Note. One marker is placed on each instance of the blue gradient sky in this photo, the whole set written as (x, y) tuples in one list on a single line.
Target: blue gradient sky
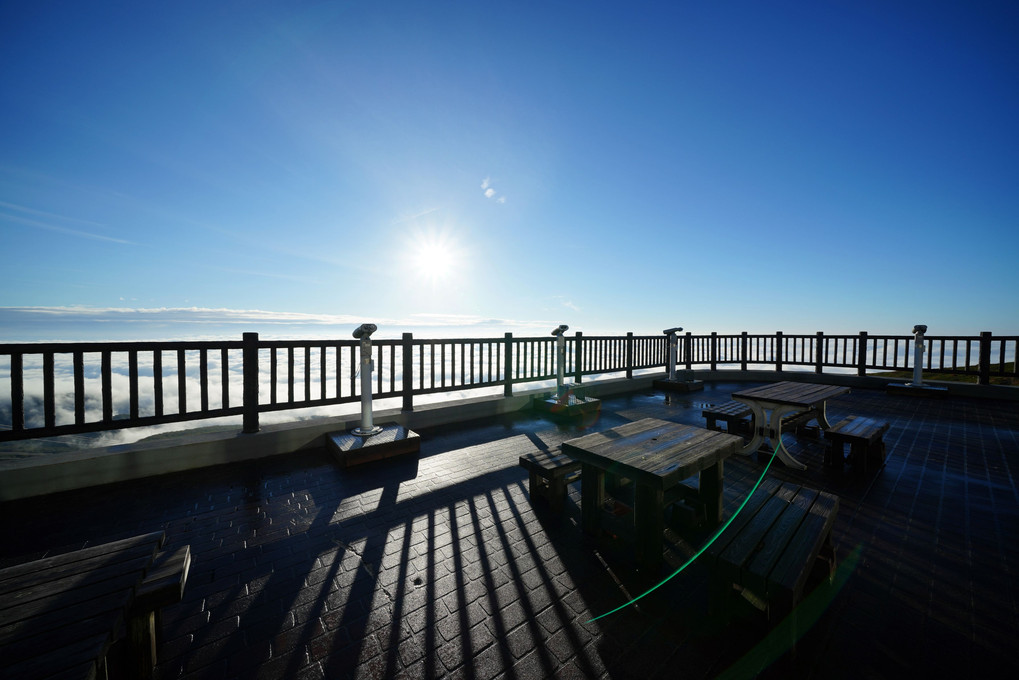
[(720, 166)]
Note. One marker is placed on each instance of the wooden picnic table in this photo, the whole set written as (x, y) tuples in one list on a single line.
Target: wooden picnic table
[(771, 403), (60, 616), (657, 455)]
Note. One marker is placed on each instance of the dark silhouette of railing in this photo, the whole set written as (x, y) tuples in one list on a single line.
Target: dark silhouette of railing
[(168, 382)]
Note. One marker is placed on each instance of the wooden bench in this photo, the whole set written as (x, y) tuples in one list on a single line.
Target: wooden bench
[(771, 547), (735, 414), (865, 437), (66, 616), (548, 474)]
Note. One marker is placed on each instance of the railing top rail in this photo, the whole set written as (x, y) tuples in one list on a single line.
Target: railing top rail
[(95, 347)]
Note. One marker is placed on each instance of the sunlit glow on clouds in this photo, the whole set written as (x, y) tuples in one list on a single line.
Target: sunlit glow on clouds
[(69, 324)]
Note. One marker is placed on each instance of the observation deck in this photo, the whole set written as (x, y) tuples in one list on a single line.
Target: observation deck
[(441, 566)]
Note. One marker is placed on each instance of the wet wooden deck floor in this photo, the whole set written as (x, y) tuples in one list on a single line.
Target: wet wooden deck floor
[(442, 567)]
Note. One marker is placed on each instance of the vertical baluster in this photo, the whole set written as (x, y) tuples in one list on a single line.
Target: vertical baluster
[(322, 372), (392, 367), (203, 378), (290, 374), (157, 381), (431, 363), (408, 368), (354, 368), (507, 365), (132, 383), (48, 391), (106, 371), (307, 373), (339, 367), (273, 374), (79, 388), (17, 392), (224, 360), (442, 363), (182, 386), (421, 366)]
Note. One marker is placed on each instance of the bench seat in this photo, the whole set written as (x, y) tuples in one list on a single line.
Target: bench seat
[(865, 437), (735, 414), (771, 547), (65, 616), (548, 474)]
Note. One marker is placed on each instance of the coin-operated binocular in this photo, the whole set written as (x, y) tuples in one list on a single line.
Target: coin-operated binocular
[(560, 340), (673, 349), (919, 347), (364, 334)]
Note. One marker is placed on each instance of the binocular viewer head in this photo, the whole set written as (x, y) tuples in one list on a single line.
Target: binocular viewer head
[(365, 330), (919, 328), (559, 331), (670, 331)]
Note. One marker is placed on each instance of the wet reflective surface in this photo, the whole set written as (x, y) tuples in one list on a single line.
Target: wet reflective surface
[(442, 566)]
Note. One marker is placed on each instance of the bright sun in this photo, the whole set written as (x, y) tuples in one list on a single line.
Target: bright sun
[(435, 257)]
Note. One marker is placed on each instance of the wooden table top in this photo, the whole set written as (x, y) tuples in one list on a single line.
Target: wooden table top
[(792, 393), (59, 614), (652, 451)]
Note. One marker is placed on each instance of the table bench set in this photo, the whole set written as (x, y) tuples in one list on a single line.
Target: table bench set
[(769, 549), (89, 613)]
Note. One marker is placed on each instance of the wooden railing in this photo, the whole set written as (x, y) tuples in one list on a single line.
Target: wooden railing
[(49, 389)]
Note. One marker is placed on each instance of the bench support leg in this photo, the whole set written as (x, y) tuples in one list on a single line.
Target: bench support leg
[(711, 493), (557, 493), (141, 645), (592, 496), (649, 520)]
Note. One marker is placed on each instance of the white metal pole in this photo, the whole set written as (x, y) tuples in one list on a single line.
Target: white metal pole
[(367, 427), (918, 349), (673, 349)]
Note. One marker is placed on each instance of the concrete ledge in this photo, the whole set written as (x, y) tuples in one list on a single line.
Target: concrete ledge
[(51, 473)]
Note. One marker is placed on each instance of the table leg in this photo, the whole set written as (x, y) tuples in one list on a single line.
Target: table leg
[(592, 496), (758, 424), (711, 493), (649, 521), (775, 431), (822, 416)]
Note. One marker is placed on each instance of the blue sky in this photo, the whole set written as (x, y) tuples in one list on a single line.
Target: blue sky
[(482, 168)]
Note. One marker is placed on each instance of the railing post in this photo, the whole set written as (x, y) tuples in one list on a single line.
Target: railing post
[(744, 346), (507, 367), (985, 358), (819, 353), (688, 349), (629, 355), (861, 357), (578, 357), (408, 371), (250, 371), (714, 350), (778, 351)]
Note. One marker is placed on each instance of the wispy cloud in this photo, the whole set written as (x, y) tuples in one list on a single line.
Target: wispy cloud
[(55, 227), (64, 229), (568, 304), (489, 191)]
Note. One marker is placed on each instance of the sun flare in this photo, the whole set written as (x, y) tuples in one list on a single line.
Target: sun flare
[(436, 257)]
